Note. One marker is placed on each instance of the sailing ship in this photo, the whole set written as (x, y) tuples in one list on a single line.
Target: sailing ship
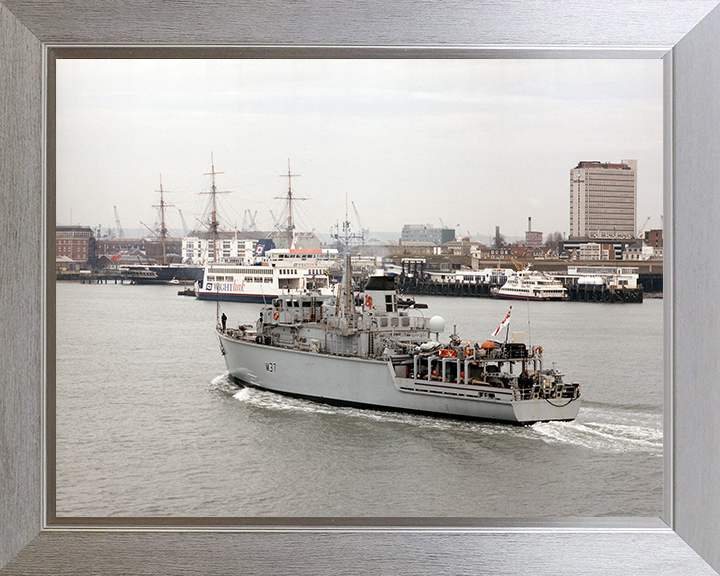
[(274, 272), (166, 272)]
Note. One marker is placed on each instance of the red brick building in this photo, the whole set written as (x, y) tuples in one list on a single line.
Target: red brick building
[(76, 243), (654, 238)]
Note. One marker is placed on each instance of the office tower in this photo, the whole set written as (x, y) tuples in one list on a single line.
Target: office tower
[(603, 199)]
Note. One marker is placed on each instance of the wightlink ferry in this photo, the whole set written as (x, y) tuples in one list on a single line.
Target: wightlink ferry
[(280, 271)]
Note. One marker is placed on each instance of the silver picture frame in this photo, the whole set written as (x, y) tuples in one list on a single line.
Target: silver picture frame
[(684, 33)]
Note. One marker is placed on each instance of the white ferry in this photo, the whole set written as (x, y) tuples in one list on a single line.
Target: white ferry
[(531, 285), (280, 271)]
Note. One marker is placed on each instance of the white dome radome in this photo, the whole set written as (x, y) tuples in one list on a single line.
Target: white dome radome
[(437, 324)]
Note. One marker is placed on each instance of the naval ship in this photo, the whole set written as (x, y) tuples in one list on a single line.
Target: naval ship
[(374, 350)]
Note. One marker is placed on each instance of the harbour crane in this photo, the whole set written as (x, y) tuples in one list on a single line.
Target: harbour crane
[(185, 228), (274, 220), (120, 233), (363, 231), (249, 221), (640, 231)]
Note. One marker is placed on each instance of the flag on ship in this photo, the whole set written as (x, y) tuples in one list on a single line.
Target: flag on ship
[(503, 323)]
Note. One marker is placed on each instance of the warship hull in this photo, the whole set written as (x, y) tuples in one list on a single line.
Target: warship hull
[(375, 383)]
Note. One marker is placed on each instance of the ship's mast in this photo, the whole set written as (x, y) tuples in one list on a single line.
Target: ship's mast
[(163, 230), (214, 191), (345, 239), (290, 226)]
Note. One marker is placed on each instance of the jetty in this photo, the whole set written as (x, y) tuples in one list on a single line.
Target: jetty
[(608, 284)]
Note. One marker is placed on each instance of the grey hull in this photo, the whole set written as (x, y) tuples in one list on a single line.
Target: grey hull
[(372, 383)]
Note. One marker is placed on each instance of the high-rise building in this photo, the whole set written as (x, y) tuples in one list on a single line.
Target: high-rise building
[(603, 199)]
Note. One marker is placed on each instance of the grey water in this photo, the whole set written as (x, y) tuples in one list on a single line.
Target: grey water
[(149, 423)]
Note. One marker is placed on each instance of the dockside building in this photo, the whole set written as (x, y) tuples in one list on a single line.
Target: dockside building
[(74, 247), (426, 234)]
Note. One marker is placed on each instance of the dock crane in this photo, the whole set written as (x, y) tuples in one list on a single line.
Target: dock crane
[(185, 228), (120, 233), (640, 231), (364, 231), (249, 221), (274, 220)]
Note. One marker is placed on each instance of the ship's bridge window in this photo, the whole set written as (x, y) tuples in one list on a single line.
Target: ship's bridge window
[(394, 321), (306, 304), (383, 322)]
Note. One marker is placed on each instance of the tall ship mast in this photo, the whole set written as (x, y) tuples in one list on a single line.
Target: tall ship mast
[(290, 226), (214, 223), (163, 229), (162, 273)]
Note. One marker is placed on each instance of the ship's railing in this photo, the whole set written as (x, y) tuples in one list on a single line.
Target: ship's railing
[(239, 333), (558, 391)]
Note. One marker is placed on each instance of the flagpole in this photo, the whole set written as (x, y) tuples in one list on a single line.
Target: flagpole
[(506, 321), (507, 332)]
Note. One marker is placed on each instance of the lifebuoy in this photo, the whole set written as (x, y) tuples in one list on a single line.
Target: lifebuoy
[(276, 315), (538, 350)]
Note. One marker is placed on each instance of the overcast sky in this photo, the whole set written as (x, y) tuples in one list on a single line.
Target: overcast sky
[(472, 143)]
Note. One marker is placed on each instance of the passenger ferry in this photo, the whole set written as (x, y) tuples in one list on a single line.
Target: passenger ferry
[(280, 271), (529, 284)]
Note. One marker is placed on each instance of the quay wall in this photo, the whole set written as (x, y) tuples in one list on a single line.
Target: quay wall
[(95, 277)]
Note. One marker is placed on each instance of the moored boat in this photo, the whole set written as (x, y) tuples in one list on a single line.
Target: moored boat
[(529, 284), (281, 271)]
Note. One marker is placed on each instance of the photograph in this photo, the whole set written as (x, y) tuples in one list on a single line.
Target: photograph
[(359, 288), (389, 288)]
